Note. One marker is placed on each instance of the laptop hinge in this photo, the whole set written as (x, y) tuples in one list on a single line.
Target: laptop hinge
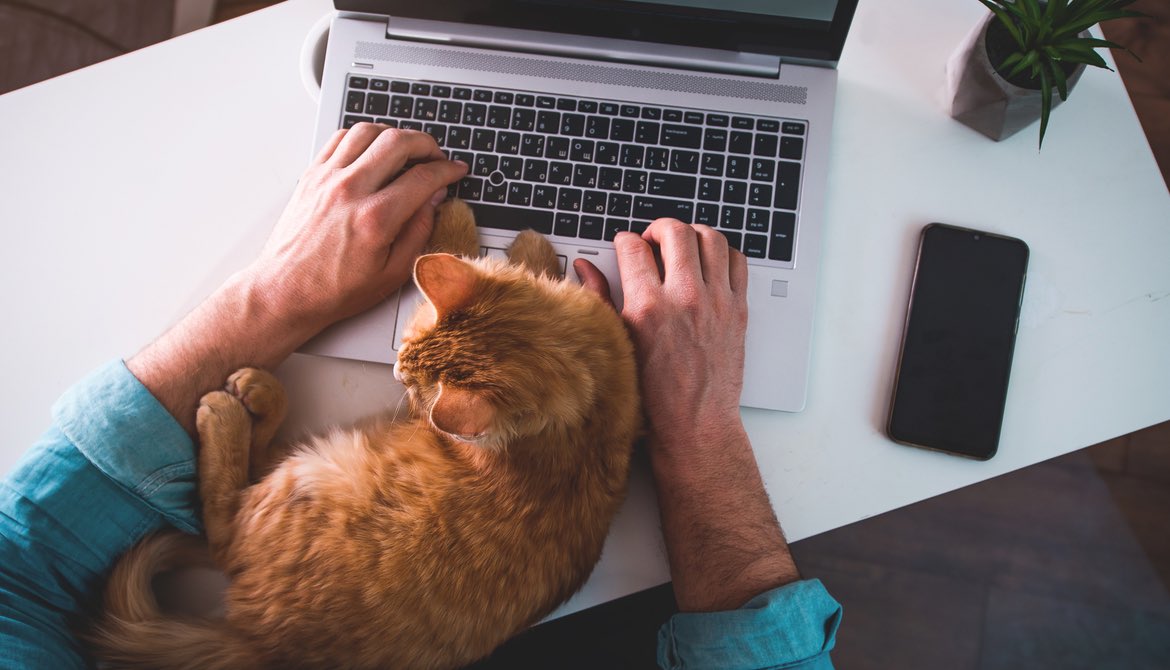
[(581, 46)]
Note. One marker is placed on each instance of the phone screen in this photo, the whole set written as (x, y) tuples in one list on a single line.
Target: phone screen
[(952, 378)]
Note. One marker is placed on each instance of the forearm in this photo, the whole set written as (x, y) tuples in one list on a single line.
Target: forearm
[(723, 540), (234, 328)]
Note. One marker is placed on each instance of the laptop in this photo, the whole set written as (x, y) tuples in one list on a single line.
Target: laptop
[(581, 119)]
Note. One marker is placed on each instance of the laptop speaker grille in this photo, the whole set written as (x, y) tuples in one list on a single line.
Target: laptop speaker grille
[(583, 72)]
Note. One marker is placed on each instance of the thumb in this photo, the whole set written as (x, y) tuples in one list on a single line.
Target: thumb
[(592, 279)]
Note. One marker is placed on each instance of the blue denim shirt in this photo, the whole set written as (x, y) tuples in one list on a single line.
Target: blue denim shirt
[(115, 466)]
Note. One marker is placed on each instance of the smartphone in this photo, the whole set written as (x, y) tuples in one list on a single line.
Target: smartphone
[(952, 379)]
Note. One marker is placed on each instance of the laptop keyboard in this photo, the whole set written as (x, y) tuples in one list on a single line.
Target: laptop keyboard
[(583, 168)]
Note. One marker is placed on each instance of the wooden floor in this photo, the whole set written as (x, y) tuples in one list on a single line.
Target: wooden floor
[(1062, 565)]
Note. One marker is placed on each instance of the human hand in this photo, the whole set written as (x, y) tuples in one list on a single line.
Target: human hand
[(688, 321), (354, 225)]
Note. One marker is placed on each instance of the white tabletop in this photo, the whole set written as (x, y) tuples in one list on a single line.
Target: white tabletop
[(132, 188)]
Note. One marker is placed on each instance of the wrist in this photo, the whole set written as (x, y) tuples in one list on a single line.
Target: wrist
[(696, 435), (273, 306)]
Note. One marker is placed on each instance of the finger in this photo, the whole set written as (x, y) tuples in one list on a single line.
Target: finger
[(396, 203), (390, 152), (680, 249), (738, 272), (330, 146), (636, 266), (713, 255), (354, 142), (592, 279), (408, 245)]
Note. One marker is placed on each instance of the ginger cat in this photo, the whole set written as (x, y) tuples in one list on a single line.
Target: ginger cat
[(418, 543)]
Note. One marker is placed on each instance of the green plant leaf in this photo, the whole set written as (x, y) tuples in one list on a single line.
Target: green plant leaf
[(1060, 79), (1029, 60), (1045, 106)]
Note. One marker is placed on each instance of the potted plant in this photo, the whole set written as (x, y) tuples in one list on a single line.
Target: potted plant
[(1002, 78)]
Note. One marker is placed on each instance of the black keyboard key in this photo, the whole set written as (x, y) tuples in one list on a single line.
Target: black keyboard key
[(466, 157), (657, 158), (546, 102), (440, 91), (497, 193), (512, 167), (483, 139), (742, 122), (569, 200), (535, 170), (420, 89), (671, 185), (768, 125), (401, 106), (758, 220), (470, 188), (426, 109), (738, 167), (710, 190), (693, 118), (377, 103), (548, 122), (544, 196), (566, 104), (593, 203), (755, 246), (395, 86), (585, 176), (450, 111), (355, 101), (734, 240), (437, 131), (634, 181), (731, 217), (763, 169), (560, 173), (523, 119), (684, 161), (597, 127), (787, 185), (652, 113), (720, 120), (712, 164), (484, 165), (632, 155), (351, 121), (380, 85), (607, 153), (646, 132), (792, 128), (631, 111), (410, 125), (791, 147), (358, 82), (646, 207), (461, 93), (393, 123), (610, 179), (608, 108), (686, 137), (707, 214), (508, 142), (760, 195), (581, 151), (615, 226), (557, 148), (499, 117), (503, 97), (735, 191), (619, 204), (783, 230), (766, 146), (482, 95), (512, 218), (525, 100), (740, 143), (474, 114), (565, 225), (715, 139), (639, 227), (459, 137), (573, 125), (592, 227), (587, 106), (532, 145), (622, 130)]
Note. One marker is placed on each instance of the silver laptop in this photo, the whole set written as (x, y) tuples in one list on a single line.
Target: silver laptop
[(582, 119)]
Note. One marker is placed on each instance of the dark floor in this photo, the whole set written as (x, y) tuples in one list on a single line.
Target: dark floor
[(1062, 565)]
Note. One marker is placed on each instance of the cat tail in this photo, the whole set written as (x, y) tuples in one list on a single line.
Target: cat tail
[(133, 632)]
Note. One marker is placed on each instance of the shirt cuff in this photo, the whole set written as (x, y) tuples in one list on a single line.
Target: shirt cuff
[(788, 627), (121, 428)]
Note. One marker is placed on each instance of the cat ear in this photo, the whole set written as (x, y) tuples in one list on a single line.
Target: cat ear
[(465, 414), (447, 281)]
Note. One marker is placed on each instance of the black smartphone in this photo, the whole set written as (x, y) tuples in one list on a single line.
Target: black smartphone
[(952, 379)]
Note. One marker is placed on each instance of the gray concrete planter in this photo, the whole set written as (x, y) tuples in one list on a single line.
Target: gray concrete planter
[(984, 100)]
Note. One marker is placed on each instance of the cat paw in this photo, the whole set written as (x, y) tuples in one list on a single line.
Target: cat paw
[(533, 251), (454, 231), (221, 413), (260, 392)]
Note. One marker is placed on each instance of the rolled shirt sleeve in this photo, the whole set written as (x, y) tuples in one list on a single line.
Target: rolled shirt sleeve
[(113, 467), (793, 626)]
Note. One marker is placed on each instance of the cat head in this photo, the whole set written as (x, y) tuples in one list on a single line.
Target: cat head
[(495, 353)]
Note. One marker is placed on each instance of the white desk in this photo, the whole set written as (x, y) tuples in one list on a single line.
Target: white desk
[(132, 188)]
